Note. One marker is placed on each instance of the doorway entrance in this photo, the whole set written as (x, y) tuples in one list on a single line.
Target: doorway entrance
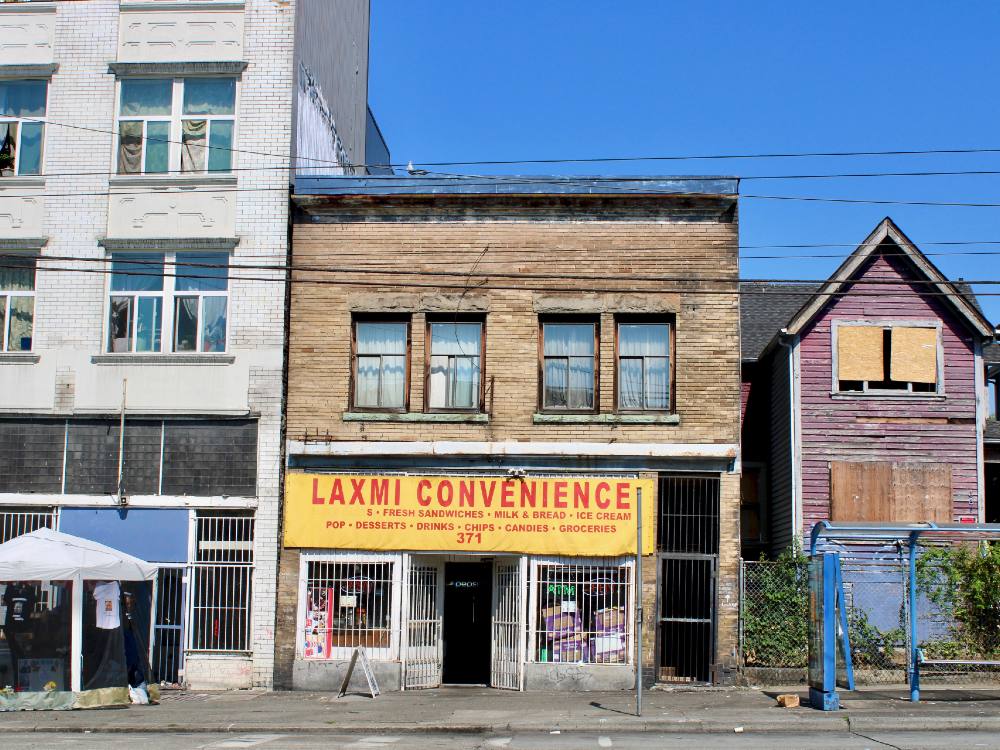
[(468, 593)]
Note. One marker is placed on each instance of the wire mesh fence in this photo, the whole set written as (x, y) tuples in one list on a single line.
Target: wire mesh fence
[(958, 620)]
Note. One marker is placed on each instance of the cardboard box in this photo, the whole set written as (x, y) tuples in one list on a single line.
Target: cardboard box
[(608, 649), (569, 649), (559, 624), (610, 620)]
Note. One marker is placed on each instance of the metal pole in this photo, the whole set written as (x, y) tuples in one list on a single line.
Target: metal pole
[(121, 448), (638, 602), (914, 654)]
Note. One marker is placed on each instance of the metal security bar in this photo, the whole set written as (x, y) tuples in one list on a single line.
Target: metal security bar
[(423, 652), (222, 583), (505, 668), (348, 604), (168, 636), (581, 611), (688, 543), (14, 523)]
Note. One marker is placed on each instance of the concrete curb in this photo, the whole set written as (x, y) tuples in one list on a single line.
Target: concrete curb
[(794, 724)]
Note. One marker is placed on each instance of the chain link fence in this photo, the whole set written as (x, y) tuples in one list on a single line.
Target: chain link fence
[(774, 619)]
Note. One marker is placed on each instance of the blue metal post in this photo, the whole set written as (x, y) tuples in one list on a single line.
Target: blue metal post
[(914, 665)]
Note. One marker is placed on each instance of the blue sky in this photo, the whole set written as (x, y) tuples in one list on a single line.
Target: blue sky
[(455, 80)]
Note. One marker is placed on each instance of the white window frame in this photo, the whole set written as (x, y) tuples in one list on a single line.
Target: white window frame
[(535, 562), (169, 295), (6, 295), (341, 653), (175, 118), (907, 392), (43, 120)]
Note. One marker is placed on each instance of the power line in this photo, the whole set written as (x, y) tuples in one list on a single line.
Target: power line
[(463, 274), (586, 160)]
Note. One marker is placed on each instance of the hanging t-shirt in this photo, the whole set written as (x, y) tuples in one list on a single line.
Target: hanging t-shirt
[(19, 601), (107, 596)]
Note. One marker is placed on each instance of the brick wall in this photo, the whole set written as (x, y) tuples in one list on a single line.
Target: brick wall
[(538, 236)]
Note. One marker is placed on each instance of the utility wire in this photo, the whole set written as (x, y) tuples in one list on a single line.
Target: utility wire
[(498, 287), (588, 160), (132, 261)]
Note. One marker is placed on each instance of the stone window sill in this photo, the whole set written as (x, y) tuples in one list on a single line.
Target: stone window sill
[(18, 358), (172, 180), (415, 417), (162, 359), (545, 418)]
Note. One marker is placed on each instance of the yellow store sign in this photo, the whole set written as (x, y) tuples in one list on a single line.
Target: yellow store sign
[(578, 516)]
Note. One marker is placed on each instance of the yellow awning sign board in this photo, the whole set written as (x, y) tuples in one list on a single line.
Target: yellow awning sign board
[(575, 516)]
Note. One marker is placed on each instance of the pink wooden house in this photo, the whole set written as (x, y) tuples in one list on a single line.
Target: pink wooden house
[(863, 401)]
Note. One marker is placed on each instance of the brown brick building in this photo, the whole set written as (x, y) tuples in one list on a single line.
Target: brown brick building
[(482, 376)]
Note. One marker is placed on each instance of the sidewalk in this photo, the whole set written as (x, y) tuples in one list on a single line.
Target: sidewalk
[(480, 710)]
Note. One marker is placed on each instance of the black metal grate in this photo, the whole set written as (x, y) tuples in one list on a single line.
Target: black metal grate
[(688, 540), (689, 514)]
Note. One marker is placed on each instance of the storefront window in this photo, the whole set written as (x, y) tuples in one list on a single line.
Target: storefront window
[(348, 604), (582, 613)]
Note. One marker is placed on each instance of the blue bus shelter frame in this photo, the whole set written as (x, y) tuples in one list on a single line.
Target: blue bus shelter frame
[(910, 534)]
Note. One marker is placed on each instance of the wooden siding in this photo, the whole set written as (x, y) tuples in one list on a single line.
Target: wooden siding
[(781, 521), (913, 428)]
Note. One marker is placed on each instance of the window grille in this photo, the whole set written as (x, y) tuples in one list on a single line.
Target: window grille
[(582, 612), (347, 604), (14, 523), (222, 583)]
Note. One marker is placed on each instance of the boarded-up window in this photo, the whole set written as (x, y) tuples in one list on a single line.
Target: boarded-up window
[(914, 354), (884, 358), (890, 492), (859, 353)]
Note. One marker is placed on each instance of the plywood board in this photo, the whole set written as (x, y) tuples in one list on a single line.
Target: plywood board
[(860, 491), (880, 491), (914, 354), (859, 353), (921, 492)]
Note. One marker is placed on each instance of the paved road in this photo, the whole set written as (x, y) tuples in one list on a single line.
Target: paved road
[(523, 741)]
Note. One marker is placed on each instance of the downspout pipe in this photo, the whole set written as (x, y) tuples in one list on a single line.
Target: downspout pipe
[(787, 341)]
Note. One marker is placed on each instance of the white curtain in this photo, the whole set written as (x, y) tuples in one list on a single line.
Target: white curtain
[(381, 376), (130, 147), (644, 351), (194, 137), (454, 375)]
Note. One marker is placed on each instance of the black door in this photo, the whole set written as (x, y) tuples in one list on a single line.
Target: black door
[(467, 599)]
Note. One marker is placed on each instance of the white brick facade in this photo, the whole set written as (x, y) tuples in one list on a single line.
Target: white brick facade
[(63, 375)]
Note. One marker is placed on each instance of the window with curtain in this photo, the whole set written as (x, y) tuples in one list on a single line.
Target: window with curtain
[(194, 291), (454, 377), (170, 125), (135, 317), (644, 366), (200, 302), (380, 364), (17, 302), (569, 366), (22, 107)]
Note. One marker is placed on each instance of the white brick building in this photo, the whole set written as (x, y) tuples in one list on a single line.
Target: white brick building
[(145, 156)]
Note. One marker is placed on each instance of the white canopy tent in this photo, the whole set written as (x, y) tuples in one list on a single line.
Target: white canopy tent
[(47, 555)]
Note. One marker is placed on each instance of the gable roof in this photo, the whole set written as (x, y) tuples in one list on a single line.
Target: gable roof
[(888, 231), (766, 308)]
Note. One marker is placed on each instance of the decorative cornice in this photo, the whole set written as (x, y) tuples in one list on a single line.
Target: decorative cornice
[(33, 7), (162, 359), (18, 358), (35, 70), (181, 5), (221, 244), (28, 244), (171, 180), (220, 67)]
